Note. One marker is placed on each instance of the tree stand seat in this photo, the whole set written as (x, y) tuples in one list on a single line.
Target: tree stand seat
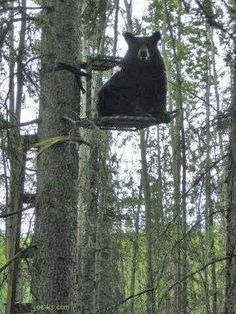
[(126, 123)]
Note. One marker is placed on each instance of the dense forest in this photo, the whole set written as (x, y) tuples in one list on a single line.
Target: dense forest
[(116, 221)]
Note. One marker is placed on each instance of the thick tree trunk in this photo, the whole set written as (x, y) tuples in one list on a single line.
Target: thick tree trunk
[(230, 298), (54, 277)]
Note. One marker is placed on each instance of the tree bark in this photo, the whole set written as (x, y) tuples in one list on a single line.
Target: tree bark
[(179, 168), (17, 156), (230, 297), (135, 250), (210, 242), (16, 202), (91, 235), (55, 262), (148, 227)]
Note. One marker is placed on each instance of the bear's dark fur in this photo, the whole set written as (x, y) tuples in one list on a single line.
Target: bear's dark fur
[(139, 88)]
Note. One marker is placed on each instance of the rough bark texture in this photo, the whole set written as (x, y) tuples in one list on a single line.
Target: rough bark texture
[(88, 212), (14, 222), (54, 281), (17, 154), (230, 300), (135, 253), (151, 306)]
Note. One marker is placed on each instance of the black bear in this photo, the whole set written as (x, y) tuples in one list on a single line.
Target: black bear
[(139, 88)]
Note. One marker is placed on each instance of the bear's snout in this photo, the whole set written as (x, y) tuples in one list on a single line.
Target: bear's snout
[(143, 53)]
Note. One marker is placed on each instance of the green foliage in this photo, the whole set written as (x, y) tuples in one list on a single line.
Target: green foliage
[(2, 275), (188, 45)]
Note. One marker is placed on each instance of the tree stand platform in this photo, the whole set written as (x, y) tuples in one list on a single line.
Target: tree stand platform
[(126, 123)]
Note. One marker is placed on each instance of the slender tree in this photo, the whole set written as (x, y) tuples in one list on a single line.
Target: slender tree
[(151, 304), (97, 263), (135, 250), (17, 157), (208, 188)]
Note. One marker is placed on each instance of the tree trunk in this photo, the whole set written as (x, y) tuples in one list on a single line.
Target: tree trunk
[(230, 298), (135, 252), (88, 212), (148, 227), (16, 202), (179, 169), (92, 242), (210, 242), (55, 262), (17, 154)]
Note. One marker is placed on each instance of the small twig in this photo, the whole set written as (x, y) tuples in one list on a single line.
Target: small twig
[(20, 8), (4, 124), (15, 213), (92, 124), (199, 178), (35, 121)]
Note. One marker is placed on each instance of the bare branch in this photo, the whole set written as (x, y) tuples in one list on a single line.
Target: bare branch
[(15, 213), (18, 255), (177, 282), (211, 19), (201, 176)]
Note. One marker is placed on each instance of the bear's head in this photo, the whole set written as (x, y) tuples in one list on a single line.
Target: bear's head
[(142, 50)]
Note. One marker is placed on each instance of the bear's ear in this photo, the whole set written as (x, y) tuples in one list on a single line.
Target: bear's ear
[(156, 37), (129, 38)]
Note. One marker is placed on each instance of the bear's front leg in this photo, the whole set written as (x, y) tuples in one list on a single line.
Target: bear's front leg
[(116, 96)]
